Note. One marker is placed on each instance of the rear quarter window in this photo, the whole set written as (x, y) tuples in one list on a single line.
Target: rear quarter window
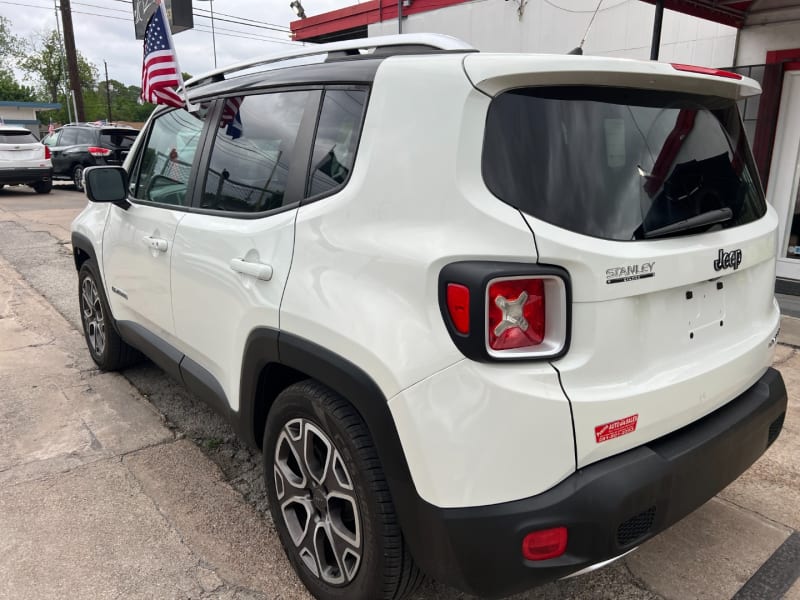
[(621, 164)]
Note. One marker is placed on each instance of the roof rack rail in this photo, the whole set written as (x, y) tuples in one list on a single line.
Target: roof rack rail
[(434, 41)]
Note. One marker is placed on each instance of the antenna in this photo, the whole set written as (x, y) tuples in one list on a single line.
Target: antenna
[(579, 49)]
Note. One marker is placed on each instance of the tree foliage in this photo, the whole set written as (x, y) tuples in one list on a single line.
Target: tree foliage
[(42, 61)]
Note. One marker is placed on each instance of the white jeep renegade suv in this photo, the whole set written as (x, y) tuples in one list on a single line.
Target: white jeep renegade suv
[(493, 318)]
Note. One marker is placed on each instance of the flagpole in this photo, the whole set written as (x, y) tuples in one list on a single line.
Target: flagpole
[(163, 10)]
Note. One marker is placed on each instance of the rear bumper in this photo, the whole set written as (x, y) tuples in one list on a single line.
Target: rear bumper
[(608, 507), (25, 175)]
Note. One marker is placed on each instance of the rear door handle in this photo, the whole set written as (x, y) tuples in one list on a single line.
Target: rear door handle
[(156, 243), (253, 269)]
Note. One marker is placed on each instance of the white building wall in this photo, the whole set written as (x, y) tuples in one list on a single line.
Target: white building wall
[(755, 41), (622, 28)]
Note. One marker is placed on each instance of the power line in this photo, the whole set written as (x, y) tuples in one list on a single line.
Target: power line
[(244, 34), (570, 10), (263, 24)]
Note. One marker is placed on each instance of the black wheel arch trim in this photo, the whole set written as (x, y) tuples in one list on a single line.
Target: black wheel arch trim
[(266, 345), (84, 244)]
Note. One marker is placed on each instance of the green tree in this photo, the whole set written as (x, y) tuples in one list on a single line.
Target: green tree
[(10, 90), (10, 45), (42, 62)]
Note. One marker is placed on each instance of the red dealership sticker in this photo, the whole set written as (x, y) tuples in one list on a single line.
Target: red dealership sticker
[(609, 431)]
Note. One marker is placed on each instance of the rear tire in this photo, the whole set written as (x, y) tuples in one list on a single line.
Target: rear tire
[(330, 501), (108, 350), (42, 187)]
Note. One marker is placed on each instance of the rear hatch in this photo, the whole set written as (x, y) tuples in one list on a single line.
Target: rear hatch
[(119, 141), (18, 148), (638, 180)]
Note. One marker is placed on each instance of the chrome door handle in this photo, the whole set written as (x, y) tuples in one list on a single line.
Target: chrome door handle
[(254, 269), (156, 243)]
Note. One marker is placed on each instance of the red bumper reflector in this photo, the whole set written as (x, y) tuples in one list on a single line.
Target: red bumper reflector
[(705, 71), (458, 306), (544, 544)]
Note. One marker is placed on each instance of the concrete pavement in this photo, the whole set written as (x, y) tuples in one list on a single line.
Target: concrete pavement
[(98, 498), (102, 496)]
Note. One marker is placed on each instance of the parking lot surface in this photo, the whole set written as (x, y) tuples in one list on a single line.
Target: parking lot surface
[(125, 486)]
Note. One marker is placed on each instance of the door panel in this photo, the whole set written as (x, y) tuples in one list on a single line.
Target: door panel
[(230, 269), (216, 305), (137, 246)]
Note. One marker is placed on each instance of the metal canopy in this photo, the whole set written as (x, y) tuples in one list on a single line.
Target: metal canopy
[(737, 13)]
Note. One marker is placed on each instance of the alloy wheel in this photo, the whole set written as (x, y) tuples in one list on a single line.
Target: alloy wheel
[(93, 320), (77, 178), (318, 502)]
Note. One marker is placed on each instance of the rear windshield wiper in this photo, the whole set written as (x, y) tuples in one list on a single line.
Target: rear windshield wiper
[(712, 217)]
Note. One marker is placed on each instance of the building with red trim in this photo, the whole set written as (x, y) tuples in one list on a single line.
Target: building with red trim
[(758, 38)]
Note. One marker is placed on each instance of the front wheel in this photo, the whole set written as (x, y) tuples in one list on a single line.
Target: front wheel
[(77, 177), (330, 501), (106, 347)]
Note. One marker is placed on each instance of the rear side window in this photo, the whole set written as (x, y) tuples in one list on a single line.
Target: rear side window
[(117, 139), (69, 136), (86, 137), (337, 137), (249, 165), (621, 164), (17, 137)]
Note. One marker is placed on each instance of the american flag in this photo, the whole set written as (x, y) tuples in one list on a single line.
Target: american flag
[(160, 73), (232, 117)]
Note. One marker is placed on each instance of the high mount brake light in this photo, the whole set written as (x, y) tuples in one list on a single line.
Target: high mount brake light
[(705, 71), (97, 151)]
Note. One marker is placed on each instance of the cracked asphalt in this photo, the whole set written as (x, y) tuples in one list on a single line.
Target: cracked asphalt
[(122, 486)]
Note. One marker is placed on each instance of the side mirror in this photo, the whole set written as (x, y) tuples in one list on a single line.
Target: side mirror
[(107, 184)]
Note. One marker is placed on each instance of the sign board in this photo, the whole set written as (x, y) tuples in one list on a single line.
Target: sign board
[(179, 13)]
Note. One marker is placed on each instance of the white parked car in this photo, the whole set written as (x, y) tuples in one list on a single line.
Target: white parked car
[(494, 318), (24, 160)]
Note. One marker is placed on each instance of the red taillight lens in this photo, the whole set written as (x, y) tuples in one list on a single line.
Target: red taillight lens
[(544, 544), (458, 306), (97, 151), (516, 313), (46, 152), (705, 71)]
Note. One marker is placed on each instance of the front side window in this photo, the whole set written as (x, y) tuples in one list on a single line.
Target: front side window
[(621, 164), (249, 166), (337, 137), (166, 160)]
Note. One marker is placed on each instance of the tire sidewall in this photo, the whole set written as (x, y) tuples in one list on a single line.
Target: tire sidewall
[(293, 404), (89, 270), (77, 177)]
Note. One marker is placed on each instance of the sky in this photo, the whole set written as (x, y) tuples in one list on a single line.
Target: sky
[(104, 31)]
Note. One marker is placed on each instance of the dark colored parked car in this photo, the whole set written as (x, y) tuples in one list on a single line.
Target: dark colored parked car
[(79, 145)]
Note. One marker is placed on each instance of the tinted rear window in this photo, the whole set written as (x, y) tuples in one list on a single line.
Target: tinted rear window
[(117, 139), (17, 137), (621, 164)]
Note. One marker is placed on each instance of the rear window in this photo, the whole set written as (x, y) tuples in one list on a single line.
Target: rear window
[(17, 137), (621, 164), (117, 139)]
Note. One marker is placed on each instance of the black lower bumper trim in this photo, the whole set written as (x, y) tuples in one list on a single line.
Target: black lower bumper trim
[(607, 507), (24, 176)]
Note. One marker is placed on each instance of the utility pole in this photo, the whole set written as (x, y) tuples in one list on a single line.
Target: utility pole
[(108, 93), (72, 59), (63, 65)]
